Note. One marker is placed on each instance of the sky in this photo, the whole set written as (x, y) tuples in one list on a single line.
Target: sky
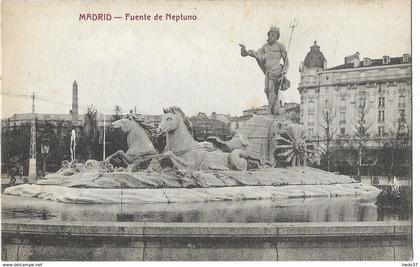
[(195, 65)]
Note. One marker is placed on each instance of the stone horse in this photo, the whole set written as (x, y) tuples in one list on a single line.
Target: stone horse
[(139, 141), (187, 154)]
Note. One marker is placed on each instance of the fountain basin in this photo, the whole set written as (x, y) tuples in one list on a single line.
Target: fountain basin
[(26, 240)]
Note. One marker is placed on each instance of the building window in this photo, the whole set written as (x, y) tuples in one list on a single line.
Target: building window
[(402, 88), (401, 101), (381, 115), (311, 119), (343, 104), (402, 114), (381, 130), (381, 102), (362, 101), (342, 91), (342, 131), (327, 103), (311, 106), (342, 118)]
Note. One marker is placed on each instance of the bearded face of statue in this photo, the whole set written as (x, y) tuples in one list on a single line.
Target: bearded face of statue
[(272, 37)]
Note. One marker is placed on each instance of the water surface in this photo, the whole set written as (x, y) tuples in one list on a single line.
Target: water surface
[(291, 210)]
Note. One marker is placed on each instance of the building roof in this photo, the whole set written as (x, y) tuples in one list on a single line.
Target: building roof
[(240, 118), (315, 58), (374, 63), (42, 117), (263, 107)]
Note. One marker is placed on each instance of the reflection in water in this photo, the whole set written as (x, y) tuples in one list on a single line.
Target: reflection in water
[(327, 214), (290, 210), (384, 214), (342, 213), (362, 213)]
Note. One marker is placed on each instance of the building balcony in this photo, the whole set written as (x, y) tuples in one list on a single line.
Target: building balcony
[(342, 122), (401, 105), (374, 78)]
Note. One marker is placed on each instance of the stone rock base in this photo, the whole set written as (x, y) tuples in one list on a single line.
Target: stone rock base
[(168, 187), (173, 195)]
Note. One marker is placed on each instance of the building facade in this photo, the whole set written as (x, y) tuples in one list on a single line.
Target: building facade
[(204, 127), (381, 87)]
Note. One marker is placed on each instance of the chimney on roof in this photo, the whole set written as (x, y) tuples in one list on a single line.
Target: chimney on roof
[(406, 58), (386, 60), (74, 110), (367, 62), (353, 59)]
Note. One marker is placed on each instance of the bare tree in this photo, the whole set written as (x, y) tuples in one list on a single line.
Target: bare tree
[(118, 113), (328, 117), (361, 128), (395, 148)]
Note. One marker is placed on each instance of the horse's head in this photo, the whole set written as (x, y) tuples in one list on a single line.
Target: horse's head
[(139, 133), (172, 119), (126, 124)]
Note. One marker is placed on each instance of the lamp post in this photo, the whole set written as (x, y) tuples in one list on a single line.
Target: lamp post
[(45, 149)]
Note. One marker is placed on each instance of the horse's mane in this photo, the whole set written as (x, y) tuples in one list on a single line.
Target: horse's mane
[(148, 127), (178, 110)]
